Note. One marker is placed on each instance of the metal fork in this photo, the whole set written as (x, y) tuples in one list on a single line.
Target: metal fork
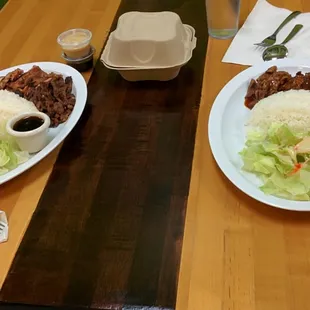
[(272, 39)]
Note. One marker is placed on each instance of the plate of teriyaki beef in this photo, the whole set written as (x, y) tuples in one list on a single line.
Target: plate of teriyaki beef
[(53, 89), (259, 133)]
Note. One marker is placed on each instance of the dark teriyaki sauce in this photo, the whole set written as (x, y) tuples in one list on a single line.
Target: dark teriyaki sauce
[(28, 123), (82, 66)]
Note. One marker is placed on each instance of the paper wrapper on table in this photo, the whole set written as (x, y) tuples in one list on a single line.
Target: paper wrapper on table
[(4, 227), (262, 22)]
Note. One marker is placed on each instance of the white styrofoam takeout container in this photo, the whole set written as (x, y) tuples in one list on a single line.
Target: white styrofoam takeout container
[(149, 72), (147, 39)]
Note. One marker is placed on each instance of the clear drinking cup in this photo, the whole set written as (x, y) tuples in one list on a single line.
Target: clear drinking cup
[(223, 18)]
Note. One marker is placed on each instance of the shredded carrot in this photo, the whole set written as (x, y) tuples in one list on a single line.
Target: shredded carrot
[(297, 167)]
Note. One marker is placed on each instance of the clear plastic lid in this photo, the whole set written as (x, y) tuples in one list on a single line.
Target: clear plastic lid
[(74, 38)]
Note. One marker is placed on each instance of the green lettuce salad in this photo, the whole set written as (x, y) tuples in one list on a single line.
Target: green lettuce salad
[(10, 155), (280, 157)]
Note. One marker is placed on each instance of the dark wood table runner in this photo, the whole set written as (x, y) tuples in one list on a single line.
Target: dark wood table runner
[(107, 233)]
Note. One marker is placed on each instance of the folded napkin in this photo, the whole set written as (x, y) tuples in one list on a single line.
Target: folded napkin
[(262, 22), (4, 227)]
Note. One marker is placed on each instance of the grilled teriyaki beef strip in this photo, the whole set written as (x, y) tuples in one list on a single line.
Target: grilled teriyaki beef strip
[(50, 92), (274, 81)]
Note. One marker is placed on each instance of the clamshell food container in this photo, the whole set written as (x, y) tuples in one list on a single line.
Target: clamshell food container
[(149, 46), (136, 74), (147, 39)]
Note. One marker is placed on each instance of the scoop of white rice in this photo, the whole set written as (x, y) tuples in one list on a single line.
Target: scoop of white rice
[(11, 105), (291, 107)]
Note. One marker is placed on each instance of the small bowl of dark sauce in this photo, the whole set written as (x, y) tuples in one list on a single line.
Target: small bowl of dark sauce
[(29, 130), (28, 123)]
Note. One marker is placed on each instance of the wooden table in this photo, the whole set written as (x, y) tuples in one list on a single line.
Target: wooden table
[(237, 253), (19, 19)]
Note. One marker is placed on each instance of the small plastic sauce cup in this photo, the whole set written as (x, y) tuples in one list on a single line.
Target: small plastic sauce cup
[(81, 64), (75, 43)]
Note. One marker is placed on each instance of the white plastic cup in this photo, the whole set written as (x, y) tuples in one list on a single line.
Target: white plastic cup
[(75, 43), (31, 141)]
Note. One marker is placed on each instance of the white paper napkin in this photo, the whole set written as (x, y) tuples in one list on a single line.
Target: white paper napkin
[(262, 22), (4, 227)]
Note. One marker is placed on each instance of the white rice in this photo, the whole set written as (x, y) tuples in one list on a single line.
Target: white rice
[(291, 108), (11, 105)]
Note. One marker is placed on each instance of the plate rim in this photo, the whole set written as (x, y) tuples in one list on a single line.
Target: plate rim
[(216, 142), (81, 94)]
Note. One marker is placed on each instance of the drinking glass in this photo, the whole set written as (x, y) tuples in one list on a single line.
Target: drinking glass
[(223, 18)]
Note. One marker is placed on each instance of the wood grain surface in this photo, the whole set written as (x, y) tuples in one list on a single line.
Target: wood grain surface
[(28, 32), (237, 254), (107, 232)]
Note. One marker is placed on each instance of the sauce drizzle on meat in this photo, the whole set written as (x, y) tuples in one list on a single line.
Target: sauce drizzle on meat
[(50, 92), (274, 81)]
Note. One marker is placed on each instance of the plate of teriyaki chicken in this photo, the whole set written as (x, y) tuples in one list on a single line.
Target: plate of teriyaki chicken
[(259, 133), (40, 103)]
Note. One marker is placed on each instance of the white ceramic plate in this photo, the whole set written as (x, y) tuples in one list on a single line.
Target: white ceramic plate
[(227, 134), (58, 134)]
